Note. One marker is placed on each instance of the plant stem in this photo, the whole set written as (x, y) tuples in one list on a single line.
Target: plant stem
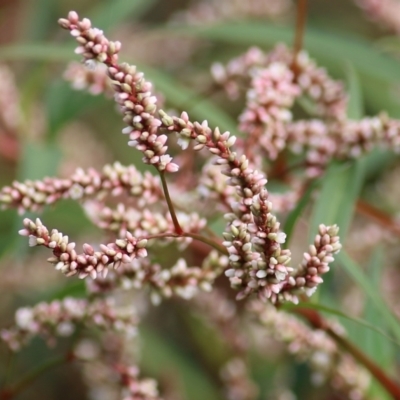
[(315, 319), (301, 17), (9, 393), (200, 238), (378, 216), (171, 208)]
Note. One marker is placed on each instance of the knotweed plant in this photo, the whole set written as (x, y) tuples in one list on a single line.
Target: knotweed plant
[(159, 229)]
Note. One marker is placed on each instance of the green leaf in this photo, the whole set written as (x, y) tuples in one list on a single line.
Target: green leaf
[(64, 104), (38, 160), (355, 107), (75, 288), (297, 211), (37, 52), (341, 185), (356, 273), (111, 12), (42, 18), (389, 44), (379, 349)]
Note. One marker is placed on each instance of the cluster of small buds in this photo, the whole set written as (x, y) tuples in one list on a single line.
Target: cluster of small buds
[(322, 140), (90, 262), (179, 280), (132, 92), (316, 261), (213, 11), (134, 388), (315, 347), (258, 263), (384, 12), (212, 185), (114, 179), (272, 93), (253, 237), (238, 385), (143, 222), (359, 137), (346, 139), (111, 376), (311, 136), (182, 281), (327, 94), (61, 318), (237, 69), (94, 80)]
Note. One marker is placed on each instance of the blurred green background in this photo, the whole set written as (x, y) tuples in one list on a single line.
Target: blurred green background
[(59, 129)]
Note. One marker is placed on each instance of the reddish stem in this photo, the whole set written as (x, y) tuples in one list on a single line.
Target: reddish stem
[(300, 28), (316, 321), (378, 216)]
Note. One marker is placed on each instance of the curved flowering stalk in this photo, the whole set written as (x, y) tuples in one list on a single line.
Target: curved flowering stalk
[(113, 179), (132, 92), (90, 262), (124, 255), (253, 238)]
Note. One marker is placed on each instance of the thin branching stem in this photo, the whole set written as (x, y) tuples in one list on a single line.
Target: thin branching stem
[(301, 18), (171, 208), (377, 215), (217, 246)]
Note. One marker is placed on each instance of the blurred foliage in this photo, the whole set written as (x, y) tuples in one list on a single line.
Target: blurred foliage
[(337, 36)]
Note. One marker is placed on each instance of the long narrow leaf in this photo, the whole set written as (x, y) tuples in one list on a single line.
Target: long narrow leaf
[(111, 12), (335, 204), (297, 211), (354, 270)]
